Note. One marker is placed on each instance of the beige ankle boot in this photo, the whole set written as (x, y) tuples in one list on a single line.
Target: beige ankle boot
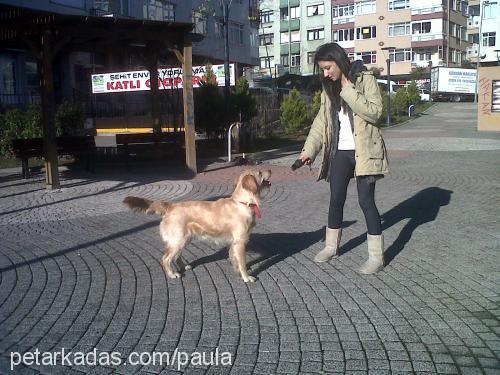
[(331, 249), (375, 260)]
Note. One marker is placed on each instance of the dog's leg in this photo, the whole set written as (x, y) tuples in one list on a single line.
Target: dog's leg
[(238, 253), (171, 253), (181, 264)]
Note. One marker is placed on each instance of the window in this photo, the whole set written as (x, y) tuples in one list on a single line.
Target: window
[(400, 55), (366, 7), (266, 16), (399, 4), (266, 39), (316, 34), (294, 35), (367, 57), (284, 60), (7, 74), (266, 62), (490, 10), (159, 10), (310, 57), (200, 23), (368, 32), (219, 28), (489, 39), (295, 60), (294, 11), (421, 28), (343, 35), (343, 11), (235, 33), (315, 10), (422, 55), (399, 29)]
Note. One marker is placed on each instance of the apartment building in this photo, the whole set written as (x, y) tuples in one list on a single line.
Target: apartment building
[(18, 69), (484, 17), (410, 33)]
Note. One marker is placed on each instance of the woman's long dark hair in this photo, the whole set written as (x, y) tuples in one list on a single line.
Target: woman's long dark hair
[(332, 52)]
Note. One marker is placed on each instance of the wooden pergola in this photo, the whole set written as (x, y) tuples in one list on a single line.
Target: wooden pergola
[(46, 34)]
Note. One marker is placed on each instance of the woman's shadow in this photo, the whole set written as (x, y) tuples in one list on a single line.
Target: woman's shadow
[(422, 208), (272, 248)]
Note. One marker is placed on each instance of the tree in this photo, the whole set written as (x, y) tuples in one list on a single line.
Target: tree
[(294, 114), (413, 93), (316, 104), (401, 101), (242, 102), (209, 104), (419, 72)]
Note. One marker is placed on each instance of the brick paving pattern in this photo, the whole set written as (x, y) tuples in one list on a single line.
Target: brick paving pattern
[(78, 271)]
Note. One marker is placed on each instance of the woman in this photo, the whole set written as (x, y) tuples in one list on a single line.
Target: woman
[(351, 145)]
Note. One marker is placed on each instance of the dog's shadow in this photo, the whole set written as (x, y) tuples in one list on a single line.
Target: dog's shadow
[(271, 248)]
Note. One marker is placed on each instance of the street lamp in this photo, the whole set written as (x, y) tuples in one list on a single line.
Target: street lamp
[(478, 60), (388, 61)]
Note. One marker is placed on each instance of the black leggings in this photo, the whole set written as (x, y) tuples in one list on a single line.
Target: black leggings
[(341, 171)]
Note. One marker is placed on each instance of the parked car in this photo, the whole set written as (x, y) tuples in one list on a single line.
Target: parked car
[(424, 95)]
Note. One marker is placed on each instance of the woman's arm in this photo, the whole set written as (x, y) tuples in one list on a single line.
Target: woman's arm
[(367, 105), (314, 140)]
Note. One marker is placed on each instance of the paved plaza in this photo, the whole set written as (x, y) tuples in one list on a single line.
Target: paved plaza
[(79, 273)]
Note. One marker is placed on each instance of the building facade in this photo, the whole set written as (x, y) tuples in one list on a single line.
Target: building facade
[(18, 69), (410, 33), (484, 27)]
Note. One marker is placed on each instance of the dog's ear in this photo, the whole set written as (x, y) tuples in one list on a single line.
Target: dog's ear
[(250, 183)]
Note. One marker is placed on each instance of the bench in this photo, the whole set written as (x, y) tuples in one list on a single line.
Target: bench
[(131, 144), (81, 146)]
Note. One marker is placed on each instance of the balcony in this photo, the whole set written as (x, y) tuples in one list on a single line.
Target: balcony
[(427, 37), (294, 48), (472, 51), (428, 10), (292, 25), (293, 3), (473, 21), (342, 20)]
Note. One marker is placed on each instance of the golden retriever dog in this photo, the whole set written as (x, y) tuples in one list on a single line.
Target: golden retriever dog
[(227, 221)]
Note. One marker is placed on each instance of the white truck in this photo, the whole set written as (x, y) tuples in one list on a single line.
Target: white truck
[(453, 84)]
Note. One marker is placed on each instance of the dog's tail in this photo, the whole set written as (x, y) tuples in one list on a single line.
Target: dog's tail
[(145, 205)]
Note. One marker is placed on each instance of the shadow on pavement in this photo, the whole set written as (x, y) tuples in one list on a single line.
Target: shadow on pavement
[(422, 208)]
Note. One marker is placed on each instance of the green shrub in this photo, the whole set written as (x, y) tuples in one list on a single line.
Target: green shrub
[(69, 119), (17, 124), (400, 101), (413, 93), (242, 102), (294, 114), (316, 104), (209, 104)]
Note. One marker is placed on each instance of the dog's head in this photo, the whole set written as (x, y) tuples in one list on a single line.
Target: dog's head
[(249, 185)]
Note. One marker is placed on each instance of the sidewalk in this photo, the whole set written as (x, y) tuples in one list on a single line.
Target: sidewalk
[(78, 271)]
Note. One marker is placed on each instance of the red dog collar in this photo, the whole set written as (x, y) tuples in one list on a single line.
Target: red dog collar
[(255, 208)]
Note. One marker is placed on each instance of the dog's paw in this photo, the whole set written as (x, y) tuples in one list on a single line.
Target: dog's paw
[(174, 275), (188, 267), (249, 279)]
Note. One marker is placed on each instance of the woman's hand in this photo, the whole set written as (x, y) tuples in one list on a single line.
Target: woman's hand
[(306, 159), (345, 81)]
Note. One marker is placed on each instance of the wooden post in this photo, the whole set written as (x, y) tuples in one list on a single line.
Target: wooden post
[(187, 83), (152, 61), (48, 110)]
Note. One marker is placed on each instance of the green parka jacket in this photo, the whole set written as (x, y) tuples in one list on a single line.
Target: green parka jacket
[(365, 101)]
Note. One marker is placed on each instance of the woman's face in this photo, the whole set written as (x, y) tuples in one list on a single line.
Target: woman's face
[(330, 70)]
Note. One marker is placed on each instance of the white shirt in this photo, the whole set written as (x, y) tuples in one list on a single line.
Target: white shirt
[(346, 139)]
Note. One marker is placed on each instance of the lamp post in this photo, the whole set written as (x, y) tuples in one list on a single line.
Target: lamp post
[(388, 61), (478, 60)]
